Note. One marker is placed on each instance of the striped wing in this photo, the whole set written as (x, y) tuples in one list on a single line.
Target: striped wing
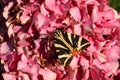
[(65, 59), (65, 43)]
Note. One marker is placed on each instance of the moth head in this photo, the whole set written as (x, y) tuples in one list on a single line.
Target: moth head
[(75, 52)]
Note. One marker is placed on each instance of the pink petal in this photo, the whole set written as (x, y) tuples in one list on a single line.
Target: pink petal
[(28, 10), (24, 18), (87, 74), (9, 76), (32, 1), (75, 13), (111, 23), (74, 78), (74, 62), (104, 31), (109, 67), (95, 14), (5, 48), (46, 29), (53, 6), (47, 74), (84, 62), (26, 69), (17, 28), (57, 11), (92, 2), (77, 29), (23, 76), (50, 4), (21, 65), (35, 77), (64, 1), (10, 31), (109, 14), (6, 10), (98, 45), (77, 74), (24, 58), (43, 10), (96, 73), (23, 43), (114, 53), (35, 69), (37, 46), (101, 57), (42, 21), (22, 35)]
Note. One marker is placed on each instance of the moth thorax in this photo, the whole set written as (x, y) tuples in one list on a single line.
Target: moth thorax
[(75, 52)]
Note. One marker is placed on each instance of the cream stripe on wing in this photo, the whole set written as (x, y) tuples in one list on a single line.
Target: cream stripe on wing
[(60, 37), (65, 56), (79, 43), (84, 45), (60, 46), (69, 37)]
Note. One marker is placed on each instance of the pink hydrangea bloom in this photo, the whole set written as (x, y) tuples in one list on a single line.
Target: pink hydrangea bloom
[(75, 13), (47, 74), (27, 42), (9, 76)]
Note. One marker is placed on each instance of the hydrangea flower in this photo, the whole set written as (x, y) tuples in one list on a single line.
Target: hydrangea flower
[(27, 49)]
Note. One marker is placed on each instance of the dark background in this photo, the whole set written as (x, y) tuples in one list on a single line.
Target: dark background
[(115, 4)]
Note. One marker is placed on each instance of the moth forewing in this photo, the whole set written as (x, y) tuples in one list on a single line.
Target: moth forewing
[(59, 36), (69, 37), (83, 44), (79, 44), (65, 59), (61, 46), (68, 45)]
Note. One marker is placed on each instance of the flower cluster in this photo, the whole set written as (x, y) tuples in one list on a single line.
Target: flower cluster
[(26, 40)]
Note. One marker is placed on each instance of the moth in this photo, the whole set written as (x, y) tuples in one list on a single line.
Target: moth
[(68, 45)]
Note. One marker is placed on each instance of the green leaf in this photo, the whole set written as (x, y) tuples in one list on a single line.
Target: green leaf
[(115, 4)]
